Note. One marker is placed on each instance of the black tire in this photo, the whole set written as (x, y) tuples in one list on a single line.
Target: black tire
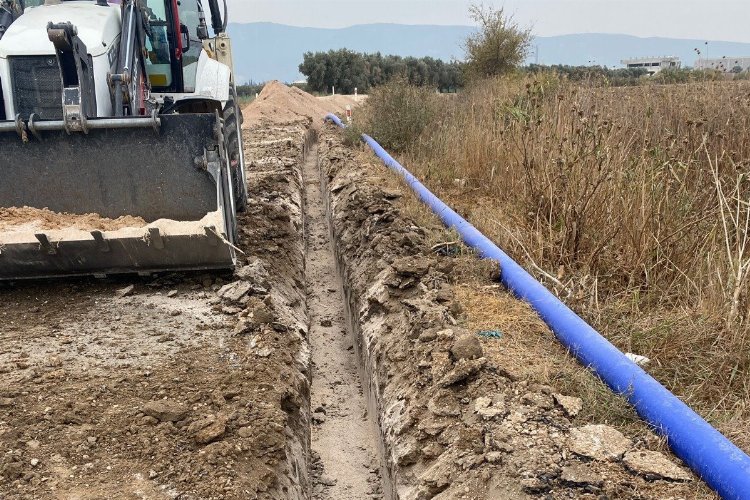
[(232, 128)]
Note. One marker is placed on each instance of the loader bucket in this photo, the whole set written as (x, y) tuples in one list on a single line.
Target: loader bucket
[(170, 171)]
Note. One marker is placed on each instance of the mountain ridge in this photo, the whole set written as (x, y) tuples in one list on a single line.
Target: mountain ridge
[(255, 61)]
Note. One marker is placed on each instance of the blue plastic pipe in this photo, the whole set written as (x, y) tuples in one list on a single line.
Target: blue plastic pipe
[(705, 450)]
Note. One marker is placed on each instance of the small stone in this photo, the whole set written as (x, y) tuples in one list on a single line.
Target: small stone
[(428, 336), (494, 457), (53, 362), (261, 315), (243, 327), (599, 442), (463, 370), (172, 294), (318, 418), (34, 462), (412, 266), (91, 440), (152, 474), (209, 429), (125, 292), (654, 465), (483, 406), (234, 292), (175, 312), (581, 475), (446, 335), (327, 481), (245, 432), (165, 411), (572, 406), (265, 352), (33, 444), (467, 346), (432, 450), (326, 323), (534, 485), (408, 453)]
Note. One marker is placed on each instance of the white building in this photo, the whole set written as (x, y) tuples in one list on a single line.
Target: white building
[(725, 64), (653, 64)]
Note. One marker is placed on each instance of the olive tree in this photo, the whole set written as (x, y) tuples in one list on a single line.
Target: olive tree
[(499, 46)]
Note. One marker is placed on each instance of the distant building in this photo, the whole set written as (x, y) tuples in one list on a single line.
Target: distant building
[(725, 64), (653, 64)]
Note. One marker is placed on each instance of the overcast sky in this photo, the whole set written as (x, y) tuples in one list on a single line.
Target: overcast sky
[(701, 19)]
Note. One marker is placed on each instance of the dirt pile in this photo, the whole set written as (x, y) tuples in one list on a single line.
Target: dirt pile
[(279, 104), (467, 380), (338, 103), (27, 218)]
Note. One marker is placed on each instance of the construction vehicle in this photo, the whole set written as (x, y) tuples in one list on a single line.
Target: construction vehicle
[(122, 108)]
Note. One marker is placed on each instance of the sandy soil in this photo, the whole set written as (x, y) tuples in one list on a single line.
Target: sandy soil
[(279, 104), (337, 103), (14, 219)]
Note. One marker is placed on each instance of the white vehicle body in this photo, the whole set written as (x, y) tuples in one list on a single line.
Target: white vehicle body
[(120, 109), (99, 28)]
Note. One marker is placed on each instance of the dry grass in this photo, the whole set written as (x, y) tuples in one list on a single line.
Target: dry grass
[(633, 204)]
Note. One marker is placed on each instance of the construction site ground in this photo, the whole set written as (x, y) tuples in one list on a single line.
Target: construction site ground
[(359, 351)]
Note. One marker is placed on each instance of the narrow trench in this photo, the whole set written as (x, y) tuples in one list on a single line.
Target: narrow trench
[(346, 462)]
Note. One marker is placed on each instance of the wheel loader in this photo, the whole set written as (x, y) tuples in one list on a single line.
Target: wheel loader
[(121, 108)]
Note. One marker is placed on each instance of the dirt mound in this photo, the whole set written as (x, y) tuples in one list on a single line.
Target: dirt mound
[(279, 104), (338, 103), (44, 219)]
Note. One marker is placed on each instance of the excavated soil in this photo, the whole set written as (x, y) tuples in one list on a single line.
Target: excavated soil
[(27, 218), (280, 104), (190, 387), (467, 382), (357, 352), (338, 103)]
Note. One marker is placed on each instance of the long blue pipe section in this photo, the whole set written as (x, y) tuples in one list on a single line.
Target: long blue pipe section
[(705, 450)]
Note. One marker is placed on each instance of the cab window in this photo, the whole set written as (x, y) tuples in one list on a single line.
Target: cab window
[(159, 60), (190, 13)]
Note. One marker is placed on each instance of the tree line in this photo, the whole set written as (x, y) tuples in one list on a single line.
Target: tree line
[(347, 70)]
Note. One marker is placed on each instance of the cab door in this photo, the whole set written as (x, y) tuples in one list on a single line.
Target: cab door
[(163, 46)]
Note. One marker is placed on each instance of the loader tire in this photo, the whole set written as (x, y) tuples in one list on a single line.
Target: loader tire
[(232, 130)]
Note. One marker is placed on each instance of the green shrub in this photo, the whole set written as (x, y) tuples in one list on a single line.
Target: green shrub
[(397, 113)]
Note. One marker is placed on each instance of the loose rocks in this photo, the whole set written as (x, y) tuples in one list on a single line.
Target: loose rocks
[(165, 411), (654, 465), (467, 346), (599, 442)]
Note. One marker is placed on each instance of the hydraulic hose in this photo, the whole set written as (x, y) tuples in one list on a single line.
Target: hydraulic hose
[(704, 449)]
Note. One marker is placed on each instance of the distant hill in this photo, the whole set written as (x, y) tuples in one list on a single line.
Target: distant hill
[(267, 51)]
